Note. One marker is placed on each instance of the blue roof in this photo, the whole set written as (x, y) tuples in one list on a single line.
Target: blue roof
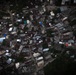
[(4, 35), (40, 23)]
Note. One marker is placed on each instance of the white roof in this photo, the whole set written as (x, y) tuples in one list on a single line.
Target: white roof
[(10, 29), (61, 42), (19, 20), (44, 9), (50, 24), (13, 32), (8, 54), (64, 18), (9, 60), (28, 21), (17, 65), (68, 33), (1, 39), (18, 40), (69, 44), (70, 41), (10, 24), (36, 54), (7, 51), (46, 49), (52, 13), (40, 41), (40, 58)]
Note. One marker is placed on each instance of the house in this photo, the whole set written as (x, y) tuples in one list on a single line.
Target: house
[(1, 39), (9, 61), (40, 63), (17, 65), (46, 49), (6, 17), (39, 58), (36, 54)]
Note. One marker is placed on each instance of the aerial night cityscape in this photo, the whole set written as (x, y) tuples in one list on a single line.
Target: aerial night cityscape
[(37, 37)]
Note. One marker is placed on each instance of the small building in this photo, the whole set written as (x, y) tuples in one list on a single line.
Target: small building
[(40, 63), (46, 49), (39, 58), (36, 54)]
